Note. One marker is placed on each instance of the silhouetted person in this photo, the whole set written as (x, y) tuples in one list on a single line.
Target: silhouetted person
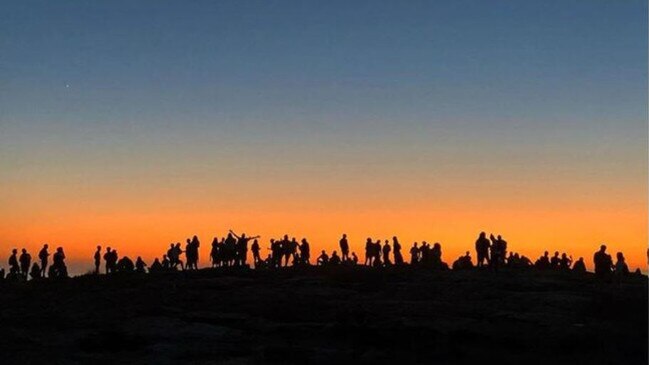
[(58, 268), (35, 272), (43, 255), (305, 252), (25, 262), (555, 261), (565, 262), (603, 262), (386, 253), (323, 259), (335, 259), (97, 258), (369, 247), (108, 260), (396, 247), (579, 266), (414, 254), (344, 247), (242, 248), (482, 246), (125, 265), (140, 265), (256, 258), (354, 258), (543, 263), (463, 262), (156, 266), (14, 267), (621, 268)]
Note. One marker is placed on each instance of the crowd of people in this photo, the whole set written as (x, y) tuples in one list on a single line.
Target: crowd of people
[(232, 251)]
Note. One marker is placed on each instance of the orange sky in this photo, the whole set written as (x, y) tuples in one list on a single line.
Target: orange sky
[(140, 220)]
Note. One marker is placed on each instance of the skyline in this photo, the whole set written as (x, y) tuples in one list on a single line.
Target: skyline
[(137, 125)]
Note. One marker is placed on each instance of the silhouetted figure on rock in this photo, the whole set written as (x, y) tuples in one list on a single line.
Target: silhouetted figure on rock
[(354, 259), (579, 266), (386, 254), (156, 266), (396, 247), (414, 254), (463, 262), (140, 265), (482, 246), (43, 255), (344, 247), (621, 268), (543, 263), (305, 252), (335, 259), (369, 248), (14, 267), (97, 258), (555, 261), (58, 268), (256, 257), (565, 262), (35, 272), (603, 262), (323, 259), (125, 265), (25, 262)]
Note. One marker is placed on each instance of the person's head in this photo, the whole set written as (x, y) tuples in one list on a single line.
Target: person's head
[(243, 235), (59, 249), (188, 241), (107, 249), (14, 251), (45, 246), (545, 253), (556, 253), (286, 237), (602, 248), (500, 237), (303, 240), (23, 250), (344, 235), (98, 248), (323, 252), (620, 256), (483, 235)]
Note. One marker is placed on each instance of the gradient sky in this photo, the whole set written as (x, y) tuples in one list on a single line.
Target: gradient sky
[(136, 124)]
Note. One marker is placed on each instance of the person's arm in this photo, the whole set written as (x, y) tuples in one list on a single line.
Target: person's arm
[(234, 234)]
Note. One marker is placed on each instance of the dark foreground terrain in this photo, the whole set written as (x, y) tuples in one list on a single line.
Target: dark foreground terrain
[(328, 316)]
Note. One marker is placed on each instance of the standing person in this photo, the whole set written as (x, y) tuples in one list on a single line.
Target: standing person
[(344, 248), (97, 258), (396, 247), (603, 262), (242, 248), (109, 262), (256, 258), (14, 268), (369, 248), (386, 254), (305, 252), (414, 254), (25, 263), (43, 256), (482, 247)]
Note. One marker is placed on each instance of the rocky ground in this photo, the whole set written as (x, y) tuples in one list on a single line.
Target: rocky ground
[(325, 315)]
